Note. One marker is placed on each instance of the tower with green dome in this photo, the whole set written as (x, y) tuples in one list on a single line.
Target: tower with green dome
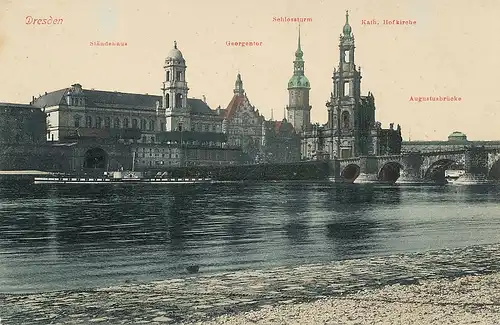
[(298, 108)]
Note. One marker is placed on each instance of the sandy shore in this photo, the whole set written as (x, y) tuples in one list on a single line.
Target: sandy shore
[(466, 300), (459, 286)]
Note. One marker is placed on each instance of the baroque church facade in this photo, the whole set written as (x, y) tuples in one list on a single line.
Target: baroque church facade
[(351, 129)]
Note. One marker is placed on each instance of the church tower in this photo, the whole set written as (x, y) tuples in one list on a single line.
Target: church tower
[(299, 110), (175, 91), (346, 118), (238, 86)]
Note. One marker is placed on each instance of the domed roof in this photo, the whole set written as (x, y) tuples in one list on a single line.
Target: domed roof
[(299, 81), (347, 28), (457, 136), (175, 53)]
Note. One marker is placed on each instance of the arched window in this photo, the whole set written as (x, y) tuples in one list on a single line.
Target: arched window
[(77, 121), (107, 122), (126, 123), (346, 120), (134, 123), (151, 125), (98, 122), (143, 124), (116, 124), (178, 100), (88, 121)]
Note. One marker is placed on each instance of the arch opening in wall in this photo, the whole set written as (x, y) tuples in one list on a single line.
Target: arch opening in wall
[(95, 158), (390, 172), (350, 173)]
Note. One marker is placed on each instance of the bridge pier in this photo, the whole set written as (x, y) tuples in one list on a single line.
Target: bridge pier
[(411, 171), (476, 167), (335, 171), (368, 170)]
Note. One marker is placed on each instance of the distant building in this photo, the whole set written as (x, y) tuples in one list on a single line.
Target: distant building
[(21, 124), (457, 136), (242, 123), (456, 141), (151, 126), (22, 137), (351, 129), (280, 142)]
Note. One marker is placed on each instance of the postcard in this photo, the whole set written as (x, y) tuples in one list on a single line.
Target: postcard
[(251, 162)]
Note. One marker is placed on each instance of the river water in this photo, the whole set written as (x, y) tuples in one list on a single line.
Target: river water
[(54, 238)]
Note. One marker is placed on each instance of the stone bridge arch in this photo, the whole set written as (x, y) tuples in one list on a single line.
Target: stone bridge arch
[(434, 167), (390, 171), (494, 166), (350, 173)]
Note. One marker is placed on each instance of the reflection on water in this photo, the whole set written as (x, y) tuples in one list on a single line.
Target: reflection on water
[(55, 238)]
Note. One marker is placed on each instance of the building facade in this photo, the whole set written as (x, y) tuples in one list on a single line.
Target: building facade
[(242, 123), (351, 129), (22, 138), (152, 126), (281, 142)]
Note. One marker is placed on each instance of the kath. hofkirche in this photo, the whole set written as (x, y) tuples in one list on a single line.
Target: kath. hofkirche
[(74, 128)]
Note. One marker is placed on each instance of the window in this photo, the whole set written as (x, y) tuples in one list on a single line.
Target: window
[(178, 100), (98, 122), (207, 128), (346, 120), (347, 56), (153, 139), (151, 125), (214, 128), (77, 121), (168, 75), (107, 122), (134, 123), (126, 123), (143, 124), (167, 99), (178, 77), (346, 88), (162, 126), (88, 121), (144, 139), (116, 124)]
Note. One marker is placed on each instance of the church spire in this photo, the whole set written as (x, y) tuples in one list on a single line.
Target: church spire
[(347, 28), (238, 86), (299, 54)]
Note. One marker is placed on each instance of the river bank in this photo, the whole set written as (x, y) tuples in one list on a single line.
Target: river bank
[(435, 287), (466, 300)]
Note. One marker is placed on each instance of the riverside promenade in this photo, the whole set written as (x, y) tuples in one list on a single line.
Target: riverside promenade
[(459, 286)]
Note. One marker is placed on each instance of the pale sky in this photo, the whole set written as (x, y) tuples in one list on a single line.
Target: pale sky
[(452, 50)]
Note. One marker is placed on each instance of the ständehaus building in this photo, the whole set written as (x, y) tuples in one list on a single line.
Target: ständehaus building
[(351, 129), (153, 131)]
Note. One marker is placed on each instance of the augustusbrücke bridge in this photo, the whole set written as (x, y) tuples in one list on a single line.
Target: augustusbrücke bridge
[(480, 164)]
